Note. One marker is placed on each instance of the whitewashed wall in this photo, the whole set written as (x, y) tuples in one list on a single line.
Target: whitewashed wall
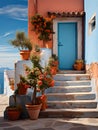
[(8, 74), (19, 70)]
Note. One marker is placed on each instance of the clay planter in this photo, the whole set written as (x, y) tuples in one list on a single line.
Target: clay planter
[(25, 54), (78, 66), (53, 70), (22, 91), (55, 63), (33, 111), (13, 114)]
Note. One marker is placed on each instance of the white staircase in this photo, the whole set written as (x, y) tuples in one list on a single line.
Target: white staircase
[(72, 96)]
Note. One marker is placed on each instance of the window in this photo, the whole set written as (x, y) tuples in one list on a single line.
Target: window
[(92, 24)]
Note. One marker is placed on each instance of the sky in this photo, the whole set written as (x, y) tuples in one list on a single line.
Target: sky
[(13, 18)]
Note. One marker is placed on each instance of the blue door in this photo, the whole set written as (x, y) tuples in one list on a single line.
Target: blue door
[(67, 45)]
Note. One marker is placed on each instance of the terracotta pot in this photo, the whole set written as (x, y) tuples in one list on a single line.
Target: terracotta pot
[(22, 91), (53, 70), (56, 63), (25, 54), (33, 111), (13, 114), (78, 66)]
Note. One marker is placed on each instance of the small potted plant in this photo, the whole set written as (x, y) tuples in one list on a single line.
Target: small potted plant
[(13, 111), (37, 78), (11, 83), (53, 64), (22, 86), (79, 64), (23, 44)]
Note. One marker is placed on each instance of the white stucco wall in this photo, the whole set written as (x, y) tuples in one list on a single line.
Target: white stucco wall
[(8, 74)]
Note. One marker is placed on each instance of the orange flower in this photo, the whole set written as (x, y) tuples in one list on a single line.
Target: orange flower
[(41, 76), (48, 19), (38, 90), (51, 83), (43, 97), (39, 82), (53, 16)]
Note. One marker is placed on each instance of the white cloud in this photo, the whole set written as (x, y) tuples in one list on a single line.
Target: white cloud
[(5, 48), (6, 34), (8, 59), (18, 12)]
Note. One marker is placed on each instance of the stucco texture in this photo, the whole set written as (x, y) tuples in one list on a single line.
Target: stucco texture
[(44, 6)]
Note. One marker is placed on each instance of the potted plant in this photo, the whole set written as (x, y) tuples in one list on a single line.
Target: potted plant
[(22, 86), (13, 111), (39, 79), (11, 83), (79, 64), (23, 44), (43, 26), (53, 64)]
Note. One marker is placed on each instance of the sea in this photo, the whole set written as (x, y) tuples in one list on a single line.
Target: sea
[(2, 79)]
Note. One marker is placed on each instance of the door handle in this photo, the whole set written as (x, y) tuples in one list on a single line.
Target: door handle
[(60, 44)]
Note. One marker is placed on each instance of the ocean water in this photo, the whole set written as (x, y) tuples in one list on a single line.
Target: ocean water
[(2, 80)]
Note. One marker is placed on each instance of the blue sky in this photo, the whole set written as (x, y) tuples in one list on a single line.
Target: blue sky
[(13, 17)]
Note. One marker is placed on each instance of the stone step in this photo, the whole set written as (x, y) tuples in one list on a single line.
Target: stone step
[(72, 83), (71, 77), (70, 96), (71, 72), (70, 113), (68, 89), (72, 104)]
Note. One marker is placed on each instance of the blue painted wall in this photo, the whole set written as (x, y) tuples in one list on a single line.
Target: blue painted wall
[(91, 40)]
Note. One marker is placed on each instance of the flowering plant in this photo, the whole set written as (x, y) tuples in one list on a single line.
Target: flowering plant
[(22, 86), (53, 64), (37, 77), (42, 26), (79, 61)]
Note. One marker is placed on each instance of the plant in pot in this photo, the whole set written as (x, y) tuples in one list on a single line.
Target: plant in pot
[(22, 86), (13, 111), (11, 83), (53, 64), (39, 79), (23, 44), (79, 64)]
